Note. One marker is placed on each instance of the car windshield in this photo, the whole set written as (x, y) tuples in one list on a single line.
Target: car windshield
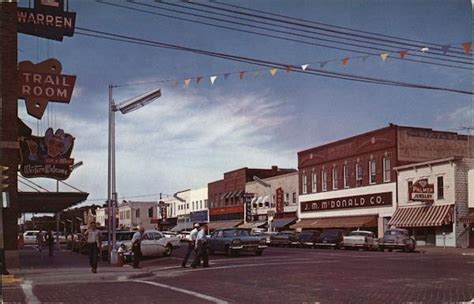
[(395, 232), (330, 232), (124, 236), (228, 233), (360, 233)]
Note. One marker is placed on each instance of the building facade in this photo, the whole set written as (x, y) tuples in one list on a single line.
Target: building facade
[(433, 199), (351, 183), (135, 214), (274, 204)]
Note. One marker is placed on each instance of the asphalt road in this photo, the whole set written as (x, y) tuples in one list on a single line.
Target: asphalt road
[(281, 275)]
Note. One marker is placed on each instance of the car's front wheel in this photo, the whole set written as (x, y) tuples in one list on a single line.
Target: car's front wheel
[(168, 250)]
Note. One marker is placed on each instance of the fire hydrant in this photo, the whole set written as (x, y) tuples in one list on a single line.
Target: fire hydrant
[(120, 258)]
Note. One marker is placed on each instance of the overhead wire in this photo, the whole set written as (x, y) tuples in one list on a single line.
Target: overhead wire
[(284, 38), (310, 71)]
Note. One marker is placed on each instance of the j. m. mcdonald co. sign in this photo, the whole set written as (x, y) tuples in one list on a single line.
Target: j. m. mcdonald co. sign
[(357, 201), (47, 19)]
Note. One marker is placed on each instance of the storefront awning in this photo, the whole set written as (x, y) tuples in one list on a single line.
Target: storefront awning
[(337, 222), (223, 224), (468, 219), (252, 225), (422, 216), (182, 226), (282, 222), (49, 202)]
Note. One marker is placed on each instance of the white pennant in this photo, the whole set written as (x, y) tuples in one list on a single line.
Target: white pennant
[(213, 79), (424, 50), (304, 67)]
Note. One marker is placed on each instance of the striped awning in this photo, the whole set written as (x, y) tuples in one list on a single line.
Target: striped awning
[(424, 216), (337, 222), (223, 224)]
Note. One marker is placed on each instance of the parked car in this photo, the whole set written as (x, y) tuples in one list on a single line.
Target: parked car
[(235, 240), (169, 233), (29, 237), (331, 238), (285, 238), (397, 239), (267, 236), (184, 236), (360, 239), (308, 238)]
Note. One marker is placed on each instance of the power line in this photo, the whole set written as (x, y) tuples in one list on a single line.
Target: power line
[(283, 38), (419, 42), (346, 76), (346, 37)]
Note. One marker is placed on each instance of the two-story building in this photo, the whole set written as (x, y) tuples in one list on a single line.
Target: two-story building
[(135, 214), (351, 183), (433, 200)]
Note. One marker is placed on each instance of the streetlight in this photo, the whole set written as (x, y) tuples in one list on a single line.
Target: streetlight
[(267, 185), (125, 107)]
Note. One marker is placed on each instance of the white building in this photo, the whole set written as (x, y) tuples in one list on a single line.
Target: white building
[(266, 200), (133, 214), (101, 217), (433, 200)]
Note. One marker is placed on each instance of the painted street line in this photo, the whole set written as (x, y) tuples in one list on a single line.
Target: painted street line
[(30, 297)]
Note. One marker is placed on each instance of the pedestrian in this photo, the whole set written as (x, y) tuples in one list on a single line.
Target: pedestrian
[(39, 240), (93, 243), (50, 242), (201, 248), (136, 247), (191, 244)]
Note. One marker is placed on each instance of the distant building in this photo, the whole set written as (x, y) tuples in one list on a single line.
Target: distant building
[(135, 214), (351, 183)]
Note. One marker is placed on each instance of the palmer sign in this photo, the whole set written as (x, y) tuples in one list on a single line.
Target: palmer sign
[(347, 202)]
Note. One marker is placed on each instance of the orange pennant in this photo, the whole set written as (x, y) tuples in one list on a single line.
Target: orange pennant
[(345, 61), (288, 68), (467, 47), (187, 82), (241, 74), (402, 54)]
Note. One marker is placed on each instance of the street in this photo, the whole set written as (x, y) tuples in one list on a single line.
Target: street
[(281, 275)]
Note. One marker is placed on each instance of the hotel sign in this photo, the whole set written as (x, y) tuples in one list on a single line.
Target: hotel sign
[(279, 200), (422, 191), (349, 202), (48, 156), (47, 19), (43, 82)]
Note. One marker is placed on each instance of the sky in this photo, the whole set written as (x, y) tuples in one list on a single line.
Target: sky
[(192, 134)]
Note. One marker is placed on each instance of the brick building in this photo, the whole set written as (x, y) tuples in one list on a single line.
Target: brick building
[(226, 196), (351, 183)]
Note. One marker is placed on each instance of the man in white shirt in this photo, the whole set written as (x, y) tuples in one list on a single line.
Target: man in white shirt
[(93, 243), (191, 244), (201, 248), (136, 247)]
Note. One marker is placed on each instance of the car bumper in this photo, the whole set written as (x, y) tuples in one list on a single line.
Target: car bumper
[(327, 244), (248, 248)]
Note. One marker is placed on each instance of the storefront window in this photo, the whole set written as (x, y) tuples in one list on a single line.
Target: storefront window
[(386, 169), (358, 175), (324, 180), (372, 172), (440, 187), (334, 178), (346, 176)]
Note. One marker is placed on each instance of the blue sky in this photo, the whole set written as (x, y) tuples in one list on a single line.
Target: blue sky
[(190, 136)]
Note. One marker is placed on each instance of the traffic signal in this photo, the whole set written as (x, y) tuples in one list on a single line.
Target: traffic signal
[(4, 177), (5, 198), (248, 211)]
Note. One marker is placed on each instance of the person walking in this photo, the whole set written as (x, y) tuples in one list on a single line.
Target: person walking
[(50, 242), (93, 243), (191, 244), (136, 247), (40, 240), (201, 248)]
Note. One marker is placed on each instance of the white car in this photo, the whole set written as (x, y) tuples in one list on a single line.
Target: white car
[(29, 237), (360, 239), (154, 243)]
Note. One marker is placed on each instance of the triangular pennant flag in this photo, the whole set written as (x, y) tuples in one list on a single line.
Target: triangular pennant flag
[(304, 67), (384, 56), (212, 79), (288, 68), (187, 82), (241, 75), (364, 58), (345, 61), (226, 76), (402, 54), (273, 71), (175, 83), (256, 73), (445, 48), (198, 80), (467, 47), (322, 64), (425, 49)]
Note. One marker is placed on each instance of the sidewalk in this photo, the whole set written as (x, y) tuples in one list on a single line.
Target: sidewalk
[(447, 250)]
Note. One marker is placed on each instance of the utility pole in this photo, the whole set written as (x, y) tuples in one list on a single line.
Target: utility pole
[(9, 155)]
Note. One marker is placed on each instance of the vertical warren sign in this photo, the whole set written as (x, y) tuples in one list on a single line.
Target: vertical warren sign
[(47, 19)]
